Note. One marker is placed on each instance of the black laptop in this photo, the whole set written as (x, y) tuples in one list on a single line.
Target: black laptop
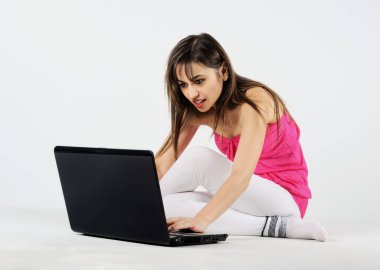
[(115, 193)]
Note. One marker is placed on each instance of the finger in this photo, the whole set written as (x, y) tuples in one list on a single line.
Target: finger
[(175, 226), (195, 229), (172, 220), (171, 228), (181, 225)]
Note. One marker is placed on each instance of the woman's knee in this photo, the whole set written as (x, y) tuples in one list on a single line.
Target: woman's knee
[(201, 156), (198, 152)]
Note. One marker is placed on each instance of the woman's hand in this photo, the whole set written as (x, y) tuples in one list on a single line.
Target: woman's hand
[(195, 224)]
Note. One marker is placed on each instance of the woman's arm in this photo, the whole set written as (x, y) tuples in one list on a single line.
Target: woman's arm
[(247, 155), (166, 159)]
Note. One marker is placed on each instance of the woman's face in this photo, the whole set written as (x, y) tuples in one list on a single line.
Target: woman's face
[(205, 88)]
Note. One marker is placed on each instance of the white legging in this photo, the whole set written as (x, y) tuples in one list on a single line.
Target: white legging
[(202, 166)]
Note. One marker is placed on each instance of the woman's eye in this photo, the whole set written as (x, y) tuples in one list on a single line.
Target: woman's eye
[(196, 81)]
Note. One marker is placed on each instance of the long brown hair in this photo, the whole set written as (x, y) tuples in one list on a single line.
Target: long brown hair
[(204, 49)]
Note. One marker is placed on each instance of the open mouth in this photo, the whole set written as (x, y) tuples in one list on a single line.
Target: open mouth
[(199, 101)]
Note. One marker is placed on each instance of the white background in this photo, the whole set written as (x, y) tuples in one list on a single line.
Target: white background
[(91, 73)]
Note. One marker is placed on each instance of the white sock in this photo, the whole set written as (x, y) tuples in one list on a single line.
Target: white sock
[(293, 227), (304, 229)]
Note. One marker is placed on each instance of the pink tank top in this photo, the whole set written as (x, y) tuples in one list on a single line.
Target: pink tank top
[(280, 161)]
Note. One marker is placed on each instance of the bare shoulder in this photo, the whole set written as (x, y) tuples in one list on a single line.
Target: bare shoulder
[(263, 99), (258, 94)]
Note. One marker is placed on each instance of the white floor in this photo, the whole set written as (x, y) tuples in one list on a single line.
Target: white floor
[(41, 239)]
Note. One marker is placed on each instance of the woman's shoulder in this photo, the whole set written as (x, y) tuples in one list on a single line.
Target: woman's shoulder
[(264, 101), (258, 94)]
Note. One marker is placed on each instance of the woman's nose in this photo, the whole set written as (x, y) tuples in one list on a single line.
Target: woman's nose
[(193, 92)]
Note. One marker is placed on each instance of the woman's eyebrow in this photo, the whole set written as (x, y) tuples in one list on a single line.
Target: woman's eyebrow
[(193, 77)]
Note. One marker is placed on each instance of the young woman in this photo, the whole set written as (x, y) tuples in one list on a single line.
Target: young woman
[(260, 187)]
